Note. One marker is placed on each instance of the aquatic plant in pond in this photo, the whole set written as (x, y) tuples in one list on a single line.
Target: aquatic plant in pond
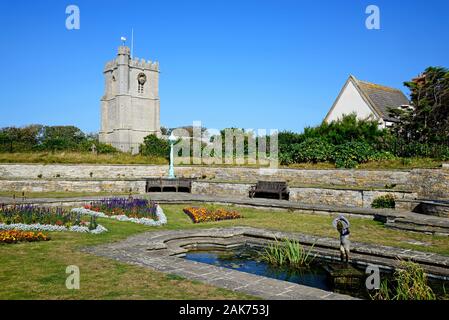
[(288, 252), (409, 283), (132, 208)]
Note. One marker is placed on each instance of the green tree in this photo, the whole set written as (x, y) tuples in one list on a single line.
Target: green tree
[(14, 139), (53, 138), (427, 121), (154, 146)]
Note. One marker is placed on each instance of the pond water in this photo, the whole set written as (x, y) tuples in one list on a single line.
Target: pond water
[(249, 260), (317, 275)]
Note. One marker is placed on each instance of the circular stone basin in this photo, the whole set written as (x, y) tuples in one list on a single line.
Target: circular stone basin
[(439, 208)]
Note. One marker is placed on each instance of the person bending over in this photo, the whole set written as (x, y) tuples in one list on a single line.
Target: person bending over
[(342, 225)]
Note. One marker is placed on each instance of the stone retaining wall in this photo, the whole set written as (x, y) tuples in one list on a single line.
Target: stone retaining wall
[(323, 196), (428, 183), (350, 198), (358, 178), (61, 185), (210, 188)]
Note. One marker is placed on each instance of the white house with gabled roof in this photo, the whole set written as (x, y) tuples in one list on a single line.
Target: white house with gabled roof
[(368, 101)]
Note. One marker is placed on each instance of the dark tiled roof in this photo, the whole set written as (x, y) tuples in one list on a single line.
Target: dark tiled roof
[(382, 98)]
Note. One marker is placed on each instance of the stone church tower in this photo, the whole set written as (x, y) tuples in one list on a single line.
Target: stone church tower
[(130, 106)]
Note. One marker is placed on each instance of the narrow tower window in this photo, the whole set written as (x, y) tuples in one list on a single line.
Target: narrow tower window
[(141, 79)]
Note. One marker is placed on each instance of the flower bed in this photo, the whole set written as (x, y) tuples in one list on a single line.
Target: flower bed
[(28, 218), (133, 210), (204, 215), (48, 227), (14, 236)]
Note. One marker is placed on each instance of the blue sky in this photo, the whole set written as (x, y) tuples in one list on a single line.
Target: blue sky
[(246, 63)]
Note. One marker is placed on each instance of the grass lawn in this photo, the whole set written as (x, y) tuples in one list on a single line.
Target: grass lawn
[(78, 158), (126, 158), (394, 164), (37, 270), (362, 229)]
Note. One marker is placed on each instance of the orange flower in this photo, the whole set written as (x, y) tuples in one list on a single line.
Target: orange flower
[(14, 236), (204, 215)]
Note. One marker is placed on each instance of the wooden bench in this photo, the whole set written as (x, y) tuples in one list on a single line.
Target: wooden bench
[(278, 188), (178, 184)]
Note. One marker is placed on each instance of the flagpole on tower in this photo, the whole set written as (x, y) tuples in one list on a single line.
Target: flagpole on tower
[(132, 42)]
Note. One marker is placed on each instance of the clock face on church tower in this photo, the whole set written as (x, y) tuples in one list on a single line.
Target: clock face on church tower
[(142, 78)]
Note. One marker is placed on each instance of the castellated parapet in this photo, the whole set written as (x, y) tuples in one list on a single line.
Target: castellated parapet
[(135, 63), (130, 106)]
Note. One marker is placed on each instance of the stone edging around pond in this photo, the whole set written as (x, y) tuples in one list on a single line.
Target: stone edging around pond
[(162, 219), (163, 251), (48, 227)]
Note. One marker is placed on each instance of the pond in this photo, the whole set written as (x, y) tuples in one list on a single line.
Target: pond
[(321, 273)]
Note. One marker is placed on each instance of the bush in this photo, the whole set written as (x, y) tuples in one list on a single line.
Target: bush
[(443, 153), (350, 154), (153, 146), (416, 149), (286, 141), (349, 128), (381, 155), (346, 142), (312, 150), (104, 148), (285, 158), (386, 201)]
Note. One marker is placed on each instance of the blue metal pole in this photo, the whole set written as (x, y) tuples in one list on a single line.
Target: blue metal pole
[(171, 170)]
